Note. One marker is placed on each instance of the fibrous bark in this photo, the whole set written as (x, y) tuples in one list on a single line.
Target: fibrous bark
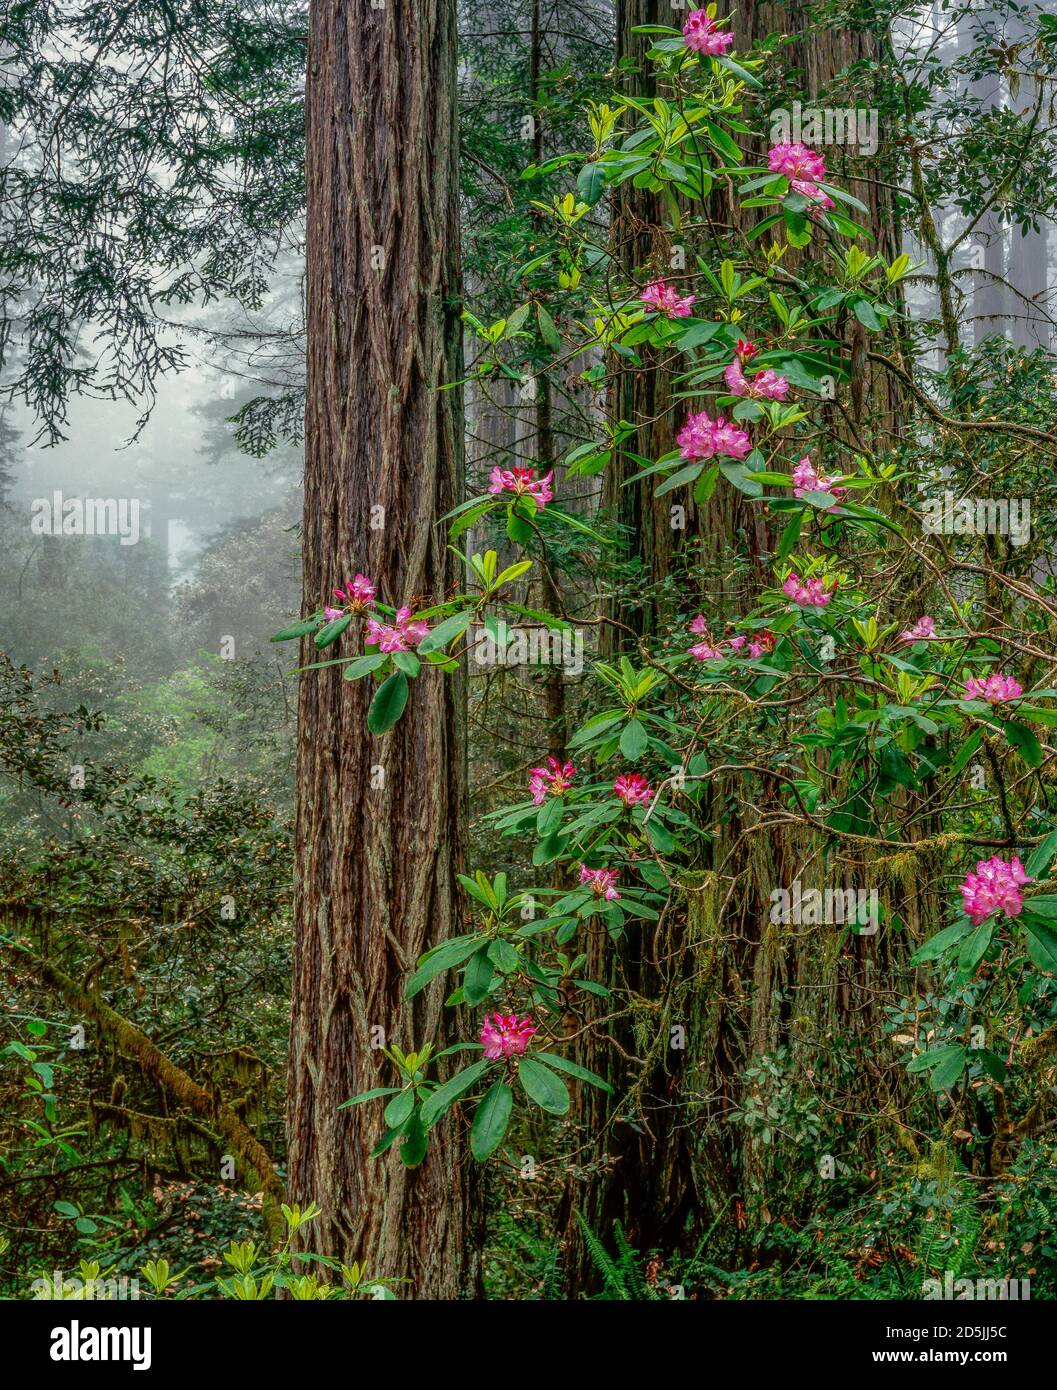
[(378, 820)]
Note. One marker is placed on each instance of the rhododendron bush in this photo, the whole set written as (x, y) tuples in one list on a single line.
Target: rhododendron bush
[(872, 708)]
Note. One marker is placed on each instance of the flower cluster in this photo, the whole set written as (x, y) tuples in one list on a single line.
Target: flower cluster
[(401, 636), (522, 482), (811, 593), (633, 789), (601, 880), (758, 645), (552, 781), (666, 299), (806, 479), (995, 688), (703, 438), (505, 1035), (356, 597), (924, 628), (766, 385), (803, 167), (708, 650), (995, 885), (703, 35)]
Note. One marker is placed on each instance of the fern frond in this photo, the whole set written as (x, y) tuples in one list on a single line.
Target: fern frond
[(612, 1278)]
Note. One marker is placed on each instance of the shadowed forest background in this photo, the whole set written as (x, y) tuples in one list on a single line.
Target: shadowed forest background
[(217, 880)]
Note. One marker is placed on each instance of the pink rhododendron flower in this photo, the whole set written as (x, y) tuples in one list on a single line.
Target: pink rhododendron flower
[(331, 613), (401, 636), (995, 885), (925, 627), (803, 167), (601, 881), (699, 624), (805, 479), (765, 385), (763, 642), (745, 349), (552, 781), (703, 35), (705, 651), (666, 299), (633, 789), (521, 482), (996, 688), (358, 594), (703, 438), (505, 1035), (812, 594)]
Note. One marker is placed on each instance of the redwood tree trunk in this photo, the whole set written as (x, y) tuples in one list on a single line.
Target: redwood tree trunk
[(377, 819)]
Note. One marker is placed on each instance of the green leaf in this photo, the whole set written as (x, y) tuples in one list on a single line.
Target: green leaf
[(865, 312), (790, 536), (445, 957), (706, 485), (974, 947), (549, 817), (470, 517), (679, 479), (590, 183), (478, 978), (301, 629), (737, 70), (946, 1072), (660, 836), (517, 528), (937, 945), (581, 1073), (548, 1091), (388, 703), (549, 849), (332, 631), (399, 1108), (490, 1121), (516, 320), (737, 473), (416, 1142), (1042, 942), (633, 740), (968, 748), (548, 332), (369, 1095), (448, 1092), (992, 1064), (1041, 856), (407, 662), (1038, 716), (554, 513), (724, 143), (1024, 741), (66, 1209), (364, 665), (445, 632), (504, 956), (387, 1140)]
